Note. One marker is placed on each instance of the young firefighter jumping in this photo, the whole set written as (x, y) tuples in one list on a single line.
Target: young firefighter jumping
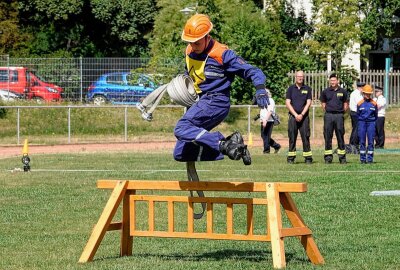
[(213, 67), (367, 111)]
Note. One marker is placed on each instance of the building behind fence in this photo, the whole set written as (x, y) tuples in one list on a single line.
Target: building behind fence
[(75, 75)]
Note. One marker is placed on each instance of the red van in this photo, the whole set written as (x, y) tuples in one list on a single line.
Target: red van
[(22, 81)]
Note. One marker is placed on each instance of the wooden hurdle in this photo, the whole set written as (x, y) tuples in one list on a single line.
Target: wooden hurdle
[(277, 194)]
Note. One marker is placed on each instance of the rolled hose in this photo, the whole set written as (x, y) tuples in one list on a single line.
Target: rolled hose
[(180, 89)]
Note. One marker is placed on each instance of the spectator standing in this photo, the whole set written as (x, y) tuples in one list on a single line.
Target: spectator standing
[(298, 102), (367, 111), (380, 122), (334, 101), (213, 67), (267, 125), (355, 97)]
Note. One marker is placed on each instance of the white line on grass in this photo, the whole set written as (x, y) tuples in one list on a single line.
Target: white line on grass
[(94, 170), (179, 170)]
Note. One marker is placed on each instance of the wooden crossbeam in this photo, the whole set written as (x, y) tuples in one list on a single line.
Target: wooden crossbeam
[(204, 186)]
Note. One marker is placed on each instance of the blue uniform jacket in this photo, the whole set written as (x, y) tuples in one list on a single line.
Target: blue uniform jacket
[(222, 64), (367, 110)]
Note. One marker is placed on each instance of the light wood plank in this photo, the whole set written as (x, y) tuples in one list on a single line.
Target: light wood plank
[(275, 222), (171, 214), (210, 224), (250, 222), (126, 239), (104, 221), (229, 218), (203, 185), (296, 220)]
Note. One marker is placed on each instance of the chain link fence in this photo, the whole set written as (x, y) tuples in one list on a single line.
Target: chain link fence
[(75, 75)]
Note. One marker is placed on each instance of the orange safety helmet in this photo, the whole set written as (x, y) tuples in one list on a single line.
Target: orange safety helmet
[(197, 27), (367, 89)]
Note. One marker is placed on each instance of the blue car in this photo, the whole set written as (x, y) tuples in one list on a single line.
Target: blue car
[(120, 88)]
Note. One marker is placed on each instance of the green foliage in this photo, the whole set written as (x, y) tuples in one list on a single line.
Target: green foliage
[(347, 77), (88, 28), (336, 29), (12, 39), (380, 20)]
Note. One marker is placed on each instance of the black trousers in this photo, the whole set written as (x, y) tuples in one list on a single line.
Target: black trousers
[(380, 132), (293, 129), (354, 134), (266, 137), (334, 123)]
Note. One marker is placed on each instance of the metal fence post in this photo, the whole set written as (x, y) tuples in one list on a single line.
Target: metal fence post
[(69, 124), (81, 76), (313, 121), (126, 124), (18, 126)]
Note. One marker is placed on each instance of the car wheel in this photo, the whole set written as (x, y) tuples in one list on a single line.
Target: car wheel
[(99, 100), (38, 100)]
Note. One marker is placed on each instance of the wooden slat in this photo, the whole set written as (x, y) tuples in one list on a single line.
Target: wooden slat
[(104, 221), (115, 226), (203, 185), (190, 217), (229, 218), (151, 215), (297, 231), (250, 222), (210, 208), (220, 200), (171, 216), (202, 235)]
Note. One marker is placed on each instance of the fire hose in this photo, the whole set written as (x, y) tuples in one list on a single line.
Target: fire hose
[(181, 91)]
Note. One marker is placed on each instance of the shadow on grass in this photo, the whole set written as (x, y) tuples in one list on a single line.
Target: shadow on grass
[(219, 255)]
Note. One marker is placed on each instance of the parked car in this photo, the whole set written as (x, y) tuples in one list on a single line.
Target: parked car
[(120, 88), (22, 81), (8, 96)]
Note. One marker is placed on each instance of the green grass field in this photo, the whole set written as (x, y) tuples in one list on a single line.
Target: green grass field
[(47, 214)]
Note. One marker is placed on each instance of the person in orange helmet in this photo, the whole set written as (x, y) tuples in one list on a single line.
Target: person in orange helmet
[(212, 67), (367, 111)]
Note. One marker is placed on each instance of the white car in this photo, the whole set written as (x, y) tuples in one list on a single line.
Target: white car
[(8, 96)]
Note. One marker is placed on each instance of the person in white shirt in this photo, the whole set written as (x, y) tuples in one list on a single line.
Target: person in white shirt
[(355, 97), (267, 124), (380, 122)]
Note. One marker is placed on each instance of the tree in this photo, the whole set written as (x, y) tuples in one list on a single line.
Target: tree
[(11, 38), (381, 18), (88, 27), (336, 29)]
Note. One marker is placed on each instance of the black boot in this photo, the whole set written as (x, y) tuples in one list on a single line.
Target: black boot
[(233, 146)]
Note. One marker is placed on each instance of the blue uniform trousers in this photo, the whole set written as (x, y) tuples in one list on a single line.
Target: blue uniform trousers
[(366, 131), (195, 141)]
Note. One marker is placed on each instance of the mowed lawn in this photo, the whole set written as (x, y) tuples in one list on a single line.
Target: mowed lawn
[(47, 214)]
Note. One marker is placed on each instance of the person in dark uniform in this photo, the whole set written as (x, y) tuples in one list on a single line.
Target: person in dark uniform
[(367, 111), (298, 101), (334, 100)]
